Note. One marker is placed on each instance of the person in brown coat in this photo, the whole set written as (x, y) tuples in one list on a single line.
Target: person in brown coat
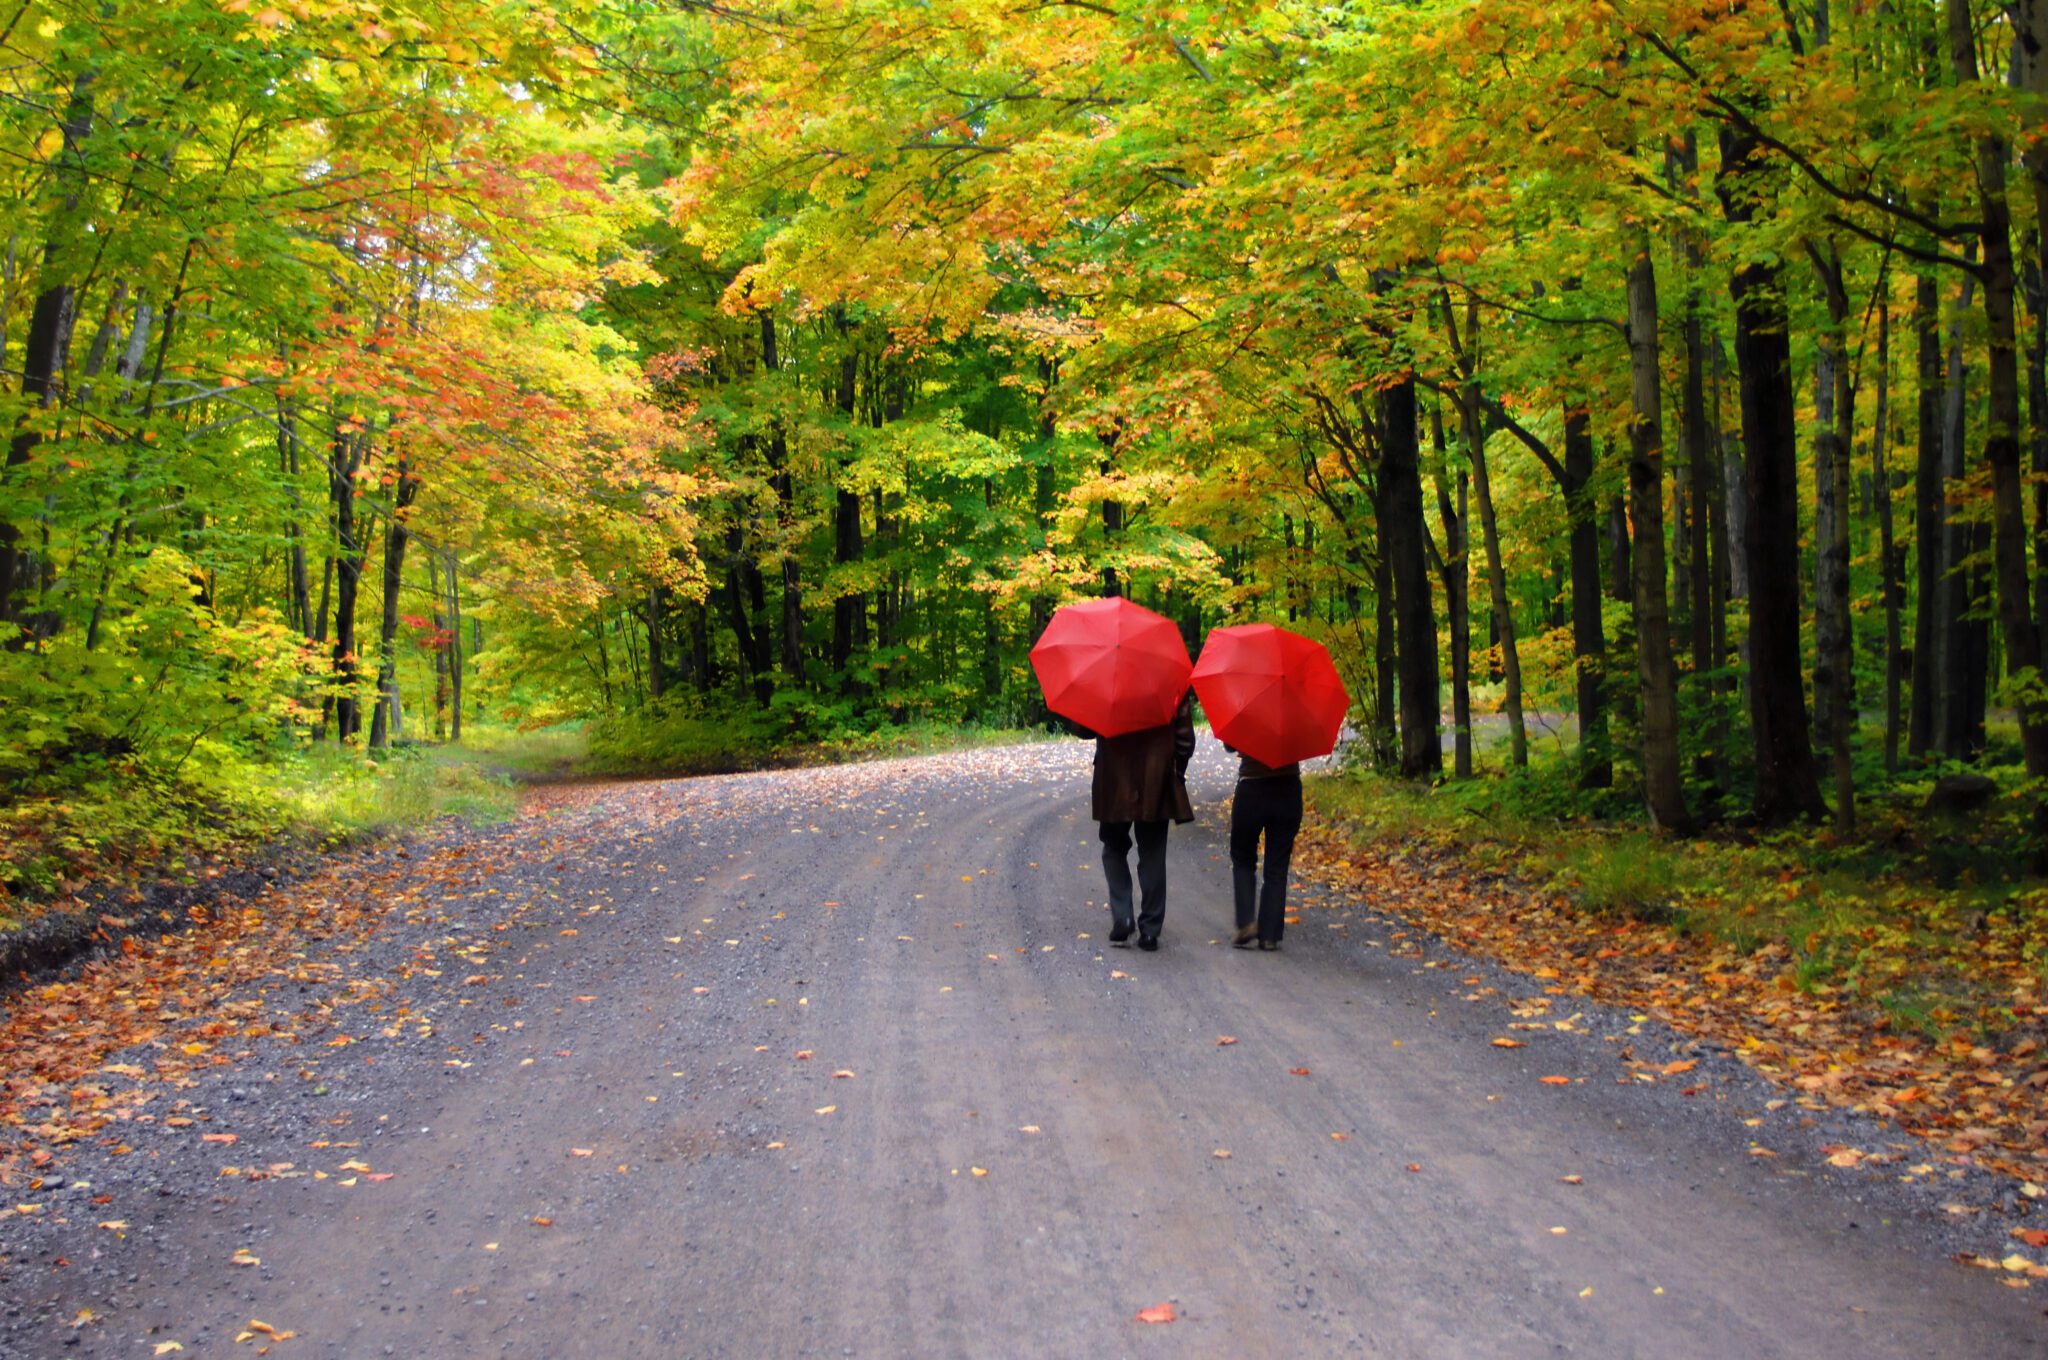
[(1140, 786)]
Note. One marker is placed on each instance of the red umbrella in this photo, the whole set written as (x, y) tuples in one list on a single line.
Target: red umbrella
[(1272, 694), (1112, 666)]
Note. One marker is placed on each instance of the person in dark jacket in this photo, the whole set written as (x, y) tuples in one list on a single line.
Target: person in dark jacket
[(1139, 788), (1268, 804)]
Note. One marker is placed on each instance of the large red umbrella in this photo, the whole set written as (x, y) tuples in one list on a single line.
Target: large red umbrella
[(1112, 666), (1272, 694)]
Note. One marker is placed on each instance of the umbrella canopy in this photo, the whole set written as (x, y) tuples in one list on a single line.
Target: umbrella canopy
[(1272, 694), (1112, 666)]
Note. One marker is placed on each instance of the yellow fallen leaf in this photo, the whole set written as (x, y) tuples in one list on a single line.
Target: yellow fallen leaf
[(243, 1258), (581, 1152), (166, 1347), (777, 1147), (1558, 1232), (1029, 1128), (115, 1224), (1507, 1043), (825, 1109), (1340, 1137), (1587, 1292), (1221, 1154), (978, 1170), (490, 1246)]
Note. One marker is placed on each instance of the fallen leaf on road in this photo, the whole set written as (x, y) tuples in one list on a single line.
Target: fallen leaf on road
[(1673, 1069), (1029, 1128), (1221, 1154), (1573, 1180), (243, 1258), (220, 1138), (1340, 1137), (581, 1152), (979, 1171), (843, 1072), (379, 1175), (1587, 1292), (1556, 1081), (2033, 1237), (543, 1222), (1846, 1157), (166, 1347), (1158, 1312), (1507, 1043), (803, 1055), (1297, 1071), (1415, 1166), (1559, 1232), (1225, 1040), (825, 1109), (121, 1224)]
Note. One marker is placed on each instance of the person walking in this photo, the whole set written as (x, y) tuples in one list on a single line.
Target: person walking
[(1139, 788), (1268, 805)]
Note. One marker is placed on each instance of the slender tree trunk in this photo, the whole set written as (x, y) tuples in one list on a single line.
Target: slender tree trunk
[(1889, 562), (1786, 785), (1386, 735), (1589, 629), (1663, 783), (384, 719), (1834, 636), (1472, 424), (1454, 565), (350, 551), (849, 608), (1931, 634), (454, 648), (1961, 662), (1421, 701), (440, 622)]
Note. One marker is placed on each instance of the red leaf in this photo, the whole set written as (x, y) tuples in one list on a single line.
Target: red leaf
[(1298, 1071), (1158, 1312)]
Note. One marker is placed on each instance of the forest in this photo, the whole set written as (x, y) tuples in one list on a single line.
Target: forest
[(1645, 400)]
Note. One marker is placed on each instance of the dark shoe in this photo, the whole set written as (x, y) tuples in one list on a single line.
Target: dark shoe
[(1269, 946), (1149, 943), (1118, 934), (1244, 936)]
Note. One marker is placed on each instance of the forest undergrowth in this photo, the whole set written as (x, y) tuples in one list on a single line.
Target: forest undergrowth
[(1900, 971)]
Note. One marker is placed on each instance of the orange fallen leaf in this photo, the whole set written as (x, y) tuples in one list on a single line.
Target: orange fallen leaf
[(1340, 1137), (1221, 1154), (843, 1072), (2033, 1237), (379, 1175), (220, 1138), (543, 1222), (1573, 1180), (581, 1152), (803, 1055), (1555, 1081), (1507, 1043), (1415, 1166), (1225, 1040), (1158, 1312), (1673, 1069), (1297, 1071)]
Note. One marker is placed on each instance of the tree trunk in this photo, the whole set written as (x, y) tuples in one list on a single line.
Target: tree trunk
[(2002, 440), (351, 550), (1472, 427), (1961, 662), (1889, 563), (384, 726), (1454, 566), (454, 648), (1786, 786), (1834, 667), (1589, 629), (1932, 635), (440, 622), (1663, 784), (1421, 700)]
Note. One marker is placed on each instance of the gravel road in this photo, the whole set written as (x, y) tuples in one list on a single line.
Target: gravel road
[(838, 1063)]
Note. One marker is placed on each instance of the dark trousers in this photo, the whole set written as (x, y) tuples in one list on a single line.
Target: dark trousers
[(1271, 807), (1116, 865)]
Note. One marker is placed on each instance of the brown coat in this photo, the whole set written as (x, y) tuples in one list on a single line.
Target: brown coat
[(1138, 776)]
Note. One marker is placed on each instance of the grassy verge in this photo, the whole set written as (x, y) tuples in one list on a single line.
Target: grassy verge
[(1924, 920), (128, 823), (683, 742)]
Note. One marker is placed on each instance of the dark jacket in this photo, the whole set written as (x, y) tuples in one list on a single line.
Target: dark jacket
[(1139, 777), (1248, 768)]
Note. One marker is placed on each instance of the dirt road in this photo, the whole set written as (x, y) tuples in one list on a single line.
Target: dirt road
[(838, 1062)]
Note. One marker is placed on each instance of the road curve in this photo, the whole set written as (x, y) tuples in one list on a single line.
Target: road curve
[(612, 1142)]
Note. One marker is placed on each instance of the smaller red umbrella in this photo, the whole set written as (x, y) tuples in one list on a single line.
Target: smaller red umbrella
[(1112, 666), (1272, 694)]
